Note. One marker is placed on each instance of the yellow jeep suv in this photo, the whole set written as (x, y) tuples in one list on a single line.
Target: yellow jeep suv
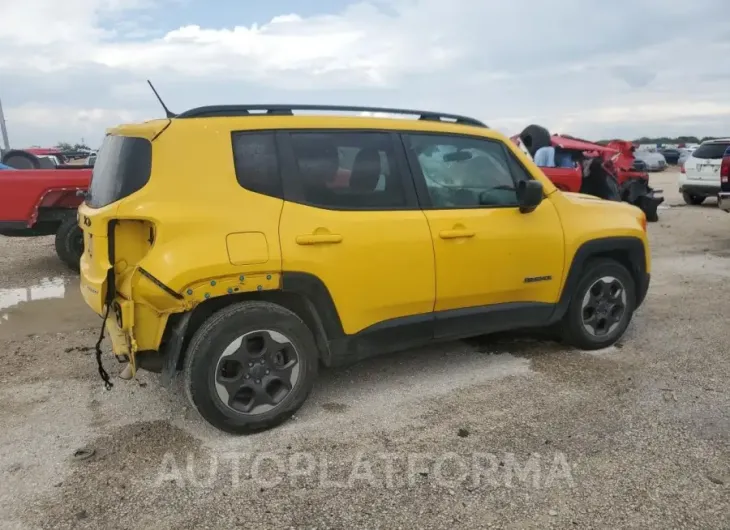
[(245, 245)]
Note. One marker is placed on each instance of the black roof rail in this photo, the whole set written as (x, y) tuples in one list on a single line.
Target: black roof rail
[(219, 111)]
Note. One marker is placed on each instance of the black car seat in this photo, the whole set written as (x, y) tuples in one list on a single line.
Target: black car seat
[(366, 169)]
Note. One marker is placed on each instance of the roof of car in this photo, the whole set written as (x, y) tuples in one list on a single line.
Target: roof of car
[(228, 111)]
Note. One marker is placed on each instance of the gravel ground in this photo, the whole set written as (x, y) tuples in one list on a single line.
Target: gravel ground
[(507, 432)]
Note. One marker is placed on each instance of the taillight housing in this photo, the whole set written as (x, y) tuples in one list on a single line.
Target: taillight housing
[(725, 169)]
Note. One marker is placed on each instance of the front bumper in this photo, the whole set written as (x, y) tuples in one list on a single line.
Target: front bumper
[(723, 201)]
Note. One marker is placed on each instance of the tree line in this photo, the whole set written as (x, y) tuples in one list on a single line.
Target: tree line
[(667, 140), (65, 146)]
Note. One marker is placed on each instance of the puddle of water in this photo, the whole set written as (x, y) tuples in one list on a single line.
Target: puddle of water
[(51, 305), (47, 288)]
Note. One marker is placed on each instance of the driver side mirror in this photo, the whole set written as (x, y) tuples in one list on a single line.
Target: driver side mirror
[(529, 195)]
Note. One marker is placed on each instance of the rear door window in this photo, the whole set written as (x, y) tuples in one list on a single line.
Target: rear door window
[(123, 166), (711, 151), (347, 170)]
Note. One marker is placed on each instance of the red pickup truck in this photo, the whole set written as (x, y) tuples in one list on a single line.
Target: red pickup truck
[(42, 202)]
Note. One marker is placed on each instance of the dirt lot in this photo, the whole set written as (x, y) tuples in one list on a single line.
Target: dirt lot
[(507, 433)]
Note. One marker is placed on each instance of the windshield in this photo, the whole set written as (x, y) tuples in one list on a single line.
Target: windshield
[(122, 167)]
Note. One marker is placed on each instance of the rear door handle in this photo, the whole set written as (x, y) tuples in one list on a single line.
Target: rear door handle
[(319, 239), (456, 234)]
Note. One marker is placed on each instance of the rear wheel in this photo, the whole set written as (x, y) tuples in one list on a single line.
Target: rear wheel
[(694, 200), (70, 243), (602, 306), (250, 367)]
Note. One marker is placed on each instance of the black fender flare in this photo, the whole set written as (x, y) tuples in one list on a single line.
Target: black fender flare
[(630, 251), (318, 301)]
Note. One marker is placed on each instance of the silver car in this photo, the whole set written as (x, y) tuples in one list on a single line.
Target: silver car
[(654, 161)]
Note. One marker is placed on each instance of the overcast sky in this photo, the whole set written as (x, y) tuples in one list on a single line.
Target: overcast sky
[(71, 68)]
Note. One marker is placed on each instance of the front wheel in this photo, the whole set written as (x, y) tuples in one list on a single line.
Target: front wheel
[(70, 243), (601, 307), (250, 367)]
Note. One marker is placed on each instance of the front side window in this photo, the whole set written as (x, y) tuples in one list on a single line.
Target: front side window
[(347, 170), (463, 172)]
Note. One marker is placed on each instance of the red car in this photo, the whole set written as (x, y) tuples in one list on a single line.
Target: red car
[(42, 202), (610, 172)]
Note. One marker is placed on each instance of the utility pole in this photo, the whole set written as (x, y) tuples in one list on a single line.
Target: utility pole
[(3, 128)]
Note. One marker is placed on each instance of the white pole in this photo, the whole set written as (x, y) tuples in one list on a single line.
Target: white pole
[(3, 128)]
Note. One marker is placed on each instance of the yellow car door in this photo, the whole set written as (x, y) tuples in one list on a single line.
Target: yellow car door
[(352, 227), (494, 264)]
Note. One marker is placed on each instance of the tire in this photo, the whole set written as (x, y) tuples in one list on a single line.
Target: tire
[(574, 332), (534, 137), (70, 243), (694, 200), (259, 324), (18, 159)]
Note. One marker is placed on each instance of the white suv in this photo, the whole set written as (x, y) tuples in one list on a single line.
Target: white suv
[(700, 174)]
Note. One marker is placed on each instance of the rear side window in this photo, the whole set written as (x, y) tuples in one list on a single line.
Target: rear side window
[(711, 151), (348, 170), (256, 161), (123, 166)]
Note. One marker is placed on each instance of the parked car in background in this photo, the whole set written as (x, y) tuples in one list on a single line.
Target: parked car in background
[(41, 200), (654, 160), (670, 154), (723, 198), (684, 153), (699, 177)]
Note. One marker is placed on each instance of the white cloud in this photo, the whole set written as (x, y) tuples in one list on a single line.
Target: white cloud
[(87, 123), (621, 68)]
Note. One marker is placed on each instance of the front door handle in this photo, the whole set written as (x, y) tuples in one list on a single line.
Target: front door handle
[(319, 239), (456, 234)]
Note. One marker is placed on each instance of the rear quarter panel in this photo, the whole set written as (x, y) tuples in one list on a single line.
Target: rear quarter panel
[(198, 209), (21, 191)]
